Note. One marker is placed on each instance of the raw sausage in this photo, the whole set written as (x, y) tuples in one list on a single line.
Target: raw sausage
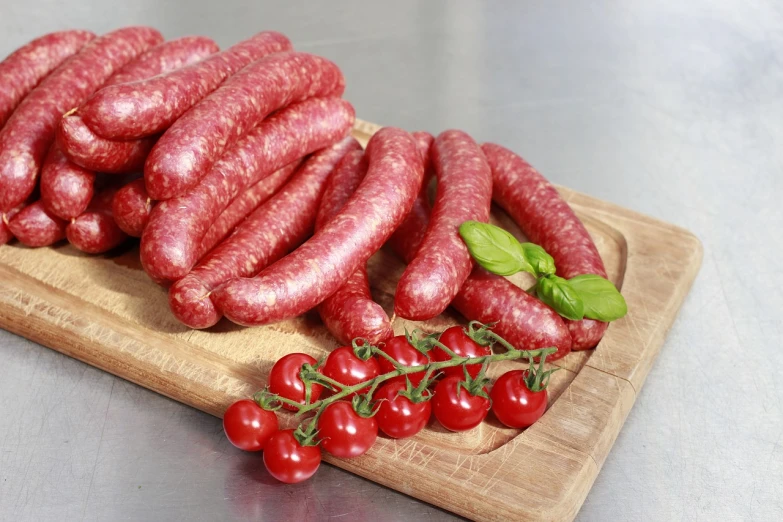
[(350, 312), (87, 149), (139, 109), (266, 235), (547, 220), (244, 204), (131, 208), (35, 227), (28, 134), (23, 69), (166, 57), (171, 241), (318, 268), (409, 234), (521, 319), (188, 149), (66, 188), (95, 231), (5, 232), (443, 262)]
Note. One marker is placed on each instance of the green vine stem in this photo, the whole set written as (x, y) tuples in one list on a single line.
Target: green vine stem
[(267, 400)]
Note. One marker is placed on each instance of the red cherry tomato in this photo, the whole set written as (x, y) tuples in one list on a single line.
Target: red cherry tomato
[(455, 408), (343, 366), (284, 379), (513, 403), (248, 426), (458, 341), (344, 433), (288, 461), (399, 349), (397, 416)]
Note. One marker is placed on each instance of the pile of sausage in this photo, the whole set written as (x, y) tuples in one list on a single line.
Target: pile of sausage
[(237, 170)]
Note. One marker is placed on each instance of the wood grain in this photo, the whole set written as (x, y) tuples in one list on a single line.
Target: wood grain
[(106, 312)]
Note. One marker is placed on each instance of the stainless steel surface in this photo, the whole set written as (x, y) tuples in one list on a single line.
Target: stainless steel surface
[(674, 109)]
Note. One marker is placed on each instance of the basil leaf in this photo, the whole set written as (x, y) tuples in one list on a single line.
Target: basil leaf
[(494, 248), (541, 262), (558, 293), (601, 299)]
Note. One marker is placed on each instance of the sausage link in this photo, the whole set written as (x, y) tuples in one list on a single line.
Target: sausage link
[(66, 188), (135, 110), (443, 262), (244, 204), (23, 69), (28, 134), (521, 319), (318, 268), (350, 312), (410, 233), (188, 149), (546, 219), (170, 244), (67, 177), (5, 232), (131, 208), (85, 148), (265, 236), (95, 231), (35, 227), (166, 57)]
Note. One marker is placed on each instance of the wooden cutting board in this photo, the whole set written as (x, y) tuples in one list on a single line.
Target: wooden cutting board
[(104, 310)]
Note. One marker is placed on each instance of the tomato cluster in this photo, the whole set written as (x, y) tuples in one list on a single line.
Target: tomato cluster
[(400, 406)]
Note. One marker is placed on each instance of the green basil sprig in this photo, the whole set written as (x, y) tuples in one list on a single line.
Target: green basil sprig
[(585, 296)]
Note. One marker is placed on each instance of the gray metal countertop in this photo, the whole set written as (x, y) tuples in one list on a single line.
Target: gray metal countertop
[(673, 109)]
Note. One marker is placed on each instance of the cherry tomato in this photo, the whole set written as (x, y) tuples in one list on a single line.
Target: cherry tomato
[(458, 341), (399, 349), (455, 408), (248, 426), (284, 379), (344, 433), (513, 403), (397, 416), (343, 366), (288, 461)]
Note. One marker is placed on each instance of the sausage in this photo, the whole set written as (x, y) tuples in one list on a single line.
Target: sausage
[(23, 69), (87, 149), (547, 220), (5, 232), (409, 234), (28, 134), (135, 110), (95, 231), (131, 208), (244, 204), (266, 235), (166, 57), (188, 149), (521, 319), (66, 188), (318, 268), (170, 242), (443, 262), (350, 312), (35, 227)]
